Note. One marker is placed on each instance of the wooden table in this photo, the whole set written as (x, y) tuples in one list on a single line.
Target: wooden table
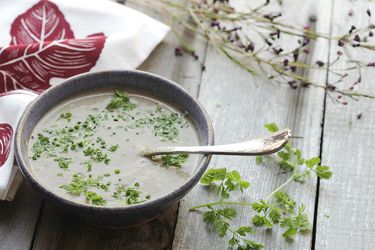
[(341, 209)]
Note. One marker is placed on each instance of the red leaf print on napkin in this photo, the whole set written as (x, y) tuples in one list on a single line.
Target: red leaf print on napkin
[(6, 133), (42, 47)]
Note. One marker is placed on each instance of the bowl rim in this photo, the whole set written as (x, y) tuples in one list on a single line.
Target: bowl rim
[(173, 196)]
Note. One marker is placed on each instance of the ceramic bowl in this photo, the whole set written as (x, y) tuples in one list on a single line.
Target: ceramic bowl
[(150, 84)]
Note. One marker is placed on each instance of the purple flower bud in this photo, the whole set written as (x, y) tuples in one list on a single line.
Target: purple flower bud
[(295, 54), (178, 51), (352, 29), (215, 24), (293, 84), (330, 87), (268, 42), (277, 50), (250, 47), (312, 18), (306, 27), (320, 63), (306, 41)]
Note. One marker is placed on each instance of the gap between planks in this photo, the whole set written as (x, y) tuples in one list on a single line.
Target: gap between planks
[(245, 108)]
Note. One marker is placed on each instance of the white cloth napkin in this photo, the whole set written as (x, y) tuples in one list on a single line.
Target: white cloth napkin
[(44, 42)]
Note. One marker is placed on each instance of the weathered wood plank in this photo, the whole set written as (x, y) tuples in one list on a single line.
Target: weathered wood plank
[(243, 109), (18, 219), (58, 231), (346, 216), (184, 70)]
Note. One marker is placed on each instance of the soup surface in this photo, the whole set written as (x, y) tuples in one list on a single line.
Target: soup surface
[(87, 149)]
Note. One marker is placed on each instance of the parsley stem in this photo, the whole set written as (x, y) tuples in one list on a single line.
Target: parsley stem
[(219, 203), (284, 184), (279, 188)]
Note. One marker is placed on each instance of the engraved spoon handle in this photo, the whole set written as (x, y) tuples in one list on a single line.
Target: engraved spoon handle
[(260, 146)]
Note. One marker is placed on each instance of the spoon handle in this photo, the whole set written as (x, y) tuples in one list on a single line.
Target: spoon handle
[(260, 146)]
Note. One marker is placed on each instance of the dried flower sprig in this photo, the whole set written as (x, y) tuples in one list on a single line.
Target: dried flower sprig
[(255, 40)]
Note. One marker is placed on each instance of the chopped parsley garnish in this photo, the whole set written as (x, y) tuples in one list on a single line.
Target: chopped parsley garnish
[(40, 146), (81, 185), (129, 195), (95, 199), (97, 155), (67, 116), (88, 165), (113, 148), (163, 123), (171, 160), (166, 125), (121, 100), (63, 162)]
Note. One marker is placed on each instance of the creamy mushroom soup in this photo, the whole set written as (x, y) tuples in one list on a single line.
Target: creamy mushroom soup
[(87, 149)]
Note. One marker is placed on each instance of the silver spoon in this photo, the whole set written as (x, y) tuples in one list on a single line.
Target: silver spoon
[(260, 146)]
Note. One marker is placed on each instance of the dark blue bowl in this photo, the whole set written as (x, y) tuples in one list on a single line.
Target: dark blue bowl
[(150, 84)]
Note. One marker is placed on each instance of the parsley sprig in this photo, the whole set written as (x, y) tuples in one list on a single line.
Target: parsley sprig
[(278, 208), (226, 181), (290, 160)]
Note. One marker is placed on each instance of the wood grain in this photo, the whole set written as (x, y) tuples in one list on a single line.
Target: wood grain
[(60, 231), (346, 216), (18, 219), (239, 109), (185, 70)]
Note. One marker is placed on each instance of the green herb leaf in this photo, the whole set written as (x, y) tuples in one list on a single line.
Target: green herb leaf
[(172, 160), (323, 172), (219, 219), (79, 184), (225, 181), (312, 162), (121, 100), (296, 223), (63, 162), (129, 195), (95, 199), (67, 116), (271, 127)]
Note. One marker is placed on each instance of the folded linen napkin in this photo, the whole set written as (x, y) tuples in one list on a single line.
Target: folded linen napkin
[(44, 42)]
